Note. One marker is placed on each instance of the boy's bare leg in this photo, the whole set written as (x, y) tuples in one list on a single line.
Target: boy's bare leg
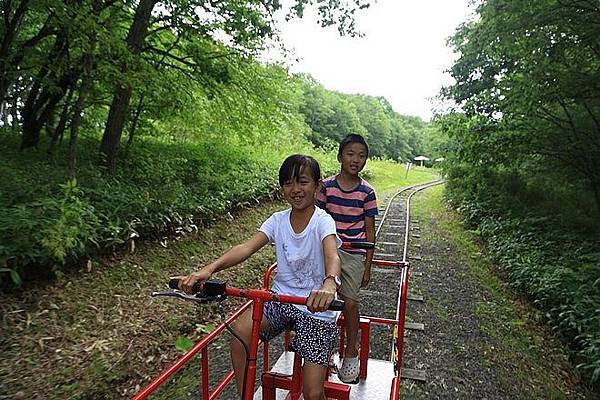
[(351, 319), (243, 327), (313, 381)]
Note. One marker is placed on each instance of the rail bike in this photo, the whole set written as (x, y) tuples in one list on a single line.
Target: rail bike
[(378, 379)]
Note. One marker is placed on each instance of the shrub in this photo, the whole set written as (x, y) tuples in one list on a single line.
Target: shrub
[(551, 262)]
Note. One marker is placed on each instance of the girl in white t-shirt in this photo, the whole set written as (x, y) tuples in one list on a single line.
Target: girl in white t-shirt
[(306, 246)]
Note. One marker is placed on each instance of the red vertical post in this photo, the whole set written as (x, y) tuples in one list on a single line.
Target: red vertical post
[(257, 313), (395, 389), (296, 389), (365, 334), (268, 387), (401, 319), (402, 316), (205, 382)]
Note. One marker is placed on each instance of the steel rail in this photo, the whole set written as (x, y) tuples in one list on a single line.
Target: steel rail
[(398, 342), (407, 217)]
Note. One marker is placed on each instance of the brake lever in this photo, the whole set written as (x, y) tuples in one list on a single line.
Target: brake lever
[(197, 298)]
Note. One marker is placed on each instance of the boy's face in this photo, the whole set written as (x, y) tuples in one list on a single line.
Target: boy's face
[(353, 158), (300, 193)]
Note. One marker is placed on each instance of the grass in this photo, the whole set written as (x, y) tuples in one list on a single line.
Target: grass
[(91, 333), (388, 175), (94, 332), (529, 355)]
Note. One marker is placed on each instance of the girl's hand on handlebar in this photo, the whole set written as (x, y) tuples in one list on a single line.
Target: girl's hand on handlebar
[(319, 300), (186, 283)]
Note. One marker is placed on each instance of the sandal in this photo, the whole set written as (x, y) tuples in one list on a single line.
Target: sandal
[(348, 371)]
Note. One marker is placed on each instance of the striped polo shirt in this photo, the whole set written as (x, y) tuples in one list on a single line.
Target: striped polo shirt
[(348, 208)]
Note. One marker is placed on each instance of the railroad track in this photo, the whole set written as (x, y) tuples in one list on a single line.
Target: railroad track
[(394, 228)]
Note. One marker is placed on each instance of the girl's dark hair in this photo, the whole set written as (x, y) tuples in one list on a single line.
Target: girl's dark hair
[(290, 169), (352, 138)]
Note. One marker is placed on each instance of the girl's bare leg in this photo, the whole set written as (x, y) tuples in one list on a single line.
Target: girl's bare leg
[(313, 381), (351, 320)]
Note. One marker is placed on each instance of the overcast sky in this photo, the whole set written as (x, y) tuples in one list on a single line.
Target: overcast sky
[(402, 56)]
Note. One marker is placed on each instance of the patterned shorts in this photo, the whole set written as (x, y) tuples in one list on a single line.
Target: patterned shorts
[(314, 338)]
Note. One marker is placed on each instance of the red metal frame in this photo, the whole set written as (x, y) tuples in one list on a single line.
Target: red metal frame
[(293, 383), (400, 317)]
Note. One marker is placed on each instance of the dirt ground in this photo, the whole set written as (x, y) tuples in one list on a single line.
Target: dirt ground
[(480, 340)]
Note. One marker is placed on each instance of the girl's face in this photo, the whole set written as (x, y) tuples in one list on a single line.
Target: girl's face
[(300, 193), (353, 158)]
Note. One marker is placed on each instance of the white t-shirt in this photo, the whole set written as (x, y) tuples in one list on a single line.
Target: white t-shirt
[(300, 258)]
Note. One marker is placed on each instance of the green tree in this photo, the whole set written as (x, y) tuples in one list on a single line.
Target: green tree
[(246, 24), (531, 70)]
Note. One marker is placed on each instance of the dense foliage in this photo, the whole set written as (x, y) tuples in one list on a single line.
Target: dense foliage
[(57, 58), (188, 124), (331, 115), (522, 151)]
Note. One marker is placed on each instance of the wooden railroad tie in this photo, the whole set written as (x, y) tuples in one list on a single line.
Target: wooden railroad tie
[(389, 243), (381, 255), (385, 270), (414, 374), (415, 297), (414, 326)]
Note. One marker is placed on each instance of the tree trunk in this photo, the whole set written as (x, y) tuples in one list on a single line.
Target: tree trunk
[(86, 85), (120, 104), (114, 127), (41, 111), (136, 118), (62, 123), (39, 96), (10, 32), (4, 110)]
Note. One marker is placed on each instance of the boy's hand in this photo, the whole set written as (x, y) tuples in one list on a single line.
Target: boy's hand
[(186, 283), (366, 277), (319, 300)]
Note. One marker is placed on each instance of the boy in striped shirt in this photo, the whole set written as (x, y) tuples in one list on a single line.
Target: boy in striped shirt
[(351, 201)]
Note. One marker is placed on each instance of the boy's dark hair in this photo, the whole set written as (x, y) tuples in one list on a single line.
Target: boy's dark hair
[(352, 138), (290, 169)]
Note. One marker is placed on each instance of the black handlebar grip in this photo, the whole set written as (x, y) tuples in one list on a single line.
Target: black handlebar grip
[(336, 305), (174, 284)]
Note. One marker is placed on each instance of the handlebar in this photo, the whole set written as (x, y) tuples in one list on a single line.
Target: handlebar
[(174, 284), (358, 245), (217, 290)]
